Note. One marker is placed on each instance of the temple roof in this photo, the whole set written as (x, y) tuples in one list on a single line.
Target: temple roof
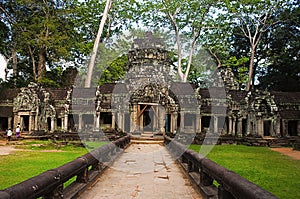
[(58, 93), (84, 92), (6, 111), (9, 94), (286, 97)]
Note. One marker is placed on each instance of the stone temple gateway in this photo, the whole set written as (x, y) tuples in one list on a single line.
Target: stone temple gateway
[(149, 101)]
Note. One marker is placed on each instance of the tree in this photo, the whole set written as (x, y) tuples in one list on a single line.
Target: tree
[(188, 19), (97, 41), (42, 34), (254, 18), (115, 71), (283, 71)]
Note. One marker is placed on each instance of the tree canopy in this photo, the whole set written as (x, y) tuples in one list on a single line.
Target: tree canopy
[(259, 40)]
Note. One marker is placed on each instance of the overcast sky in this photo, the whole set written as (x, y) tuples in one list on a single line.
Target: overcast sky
[(2, 67)]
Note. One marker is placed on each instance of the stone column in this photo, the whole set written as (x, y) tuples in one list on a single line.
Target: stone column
[(113, 120), (9, 122), (182, 127), (198, 123), (133, 116), (162, 120), (97, 121), (284, 128), (233, 126), (80, 122), (240, 127), (230, 125), (66, 122), (260, 126), (216, 127), (31, 123), (36, 121), (52, 124), (273, 128), (16, 120), (278, 127)]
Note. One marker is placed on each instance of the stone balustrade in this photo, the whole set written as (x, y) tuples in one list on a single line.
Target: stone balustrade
[(86, 169), (204, 172)]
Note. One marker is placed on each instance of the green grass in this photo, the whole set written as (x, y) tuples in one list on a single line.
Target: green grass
[(94, 145), (273, 171), (21, 165)]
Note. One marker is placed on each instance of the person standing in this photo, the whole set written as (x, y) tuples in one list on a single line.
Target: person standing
[(9, 134), (18, 131)]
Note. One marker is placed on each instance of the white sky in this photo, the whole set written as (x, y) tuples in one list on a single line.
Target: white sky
[(2, 67)]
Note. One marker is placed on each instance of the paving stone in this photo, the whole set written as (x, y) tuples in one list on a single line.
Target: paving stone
[(144, 171)]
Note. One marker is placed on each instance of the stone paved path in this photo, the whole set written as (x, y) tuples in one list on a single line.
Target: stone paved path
[(143, 171)]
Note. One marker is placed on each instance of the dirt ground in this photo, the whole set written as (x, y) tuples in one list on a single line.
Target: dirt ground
[(289, 152), (6, 149)]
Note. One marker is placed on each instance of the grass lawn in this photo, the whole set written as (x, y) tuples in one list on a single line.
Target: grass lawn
[(21, 165), (275, 172)]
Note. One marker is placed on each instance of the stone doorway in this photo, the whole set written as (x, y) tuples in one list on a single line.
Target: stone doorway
[(24, 122), (148, 117)]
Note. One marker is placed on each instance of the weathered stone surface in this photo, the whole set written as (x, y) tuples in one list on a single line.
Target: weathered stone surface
[(143, 171)]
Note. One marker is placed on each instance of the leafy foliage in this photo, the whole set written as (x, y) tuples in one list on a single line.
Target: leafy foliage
[(115, 71)]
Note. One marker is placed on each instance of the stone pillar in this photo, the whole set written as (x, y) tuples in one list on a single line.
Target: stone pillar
[(230, 125), (52, 124), (175, 121), (284, 128), (97, 126), (31, 123), (216, 127), (278, 127), (9, 122), (36, 121), (182, 127), (134, 118), (233, 126), (198, 123), (66, 122), (240, 127), (260, 126), (162, 120), (273, 128), (113, 120), (16, 120), (80, 122)]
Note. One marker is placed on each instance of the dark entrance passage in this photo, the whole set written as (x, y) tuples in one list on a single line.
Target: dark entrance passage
[(292, 127), (3, 123), (25, 122), (148, 117), (267, 128)]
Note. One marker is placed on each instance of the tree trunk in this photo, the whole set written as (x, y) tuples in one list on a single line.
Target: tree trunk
[(42, 62), (88, 79), (33, 63), (14, 66), (248, 86)]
